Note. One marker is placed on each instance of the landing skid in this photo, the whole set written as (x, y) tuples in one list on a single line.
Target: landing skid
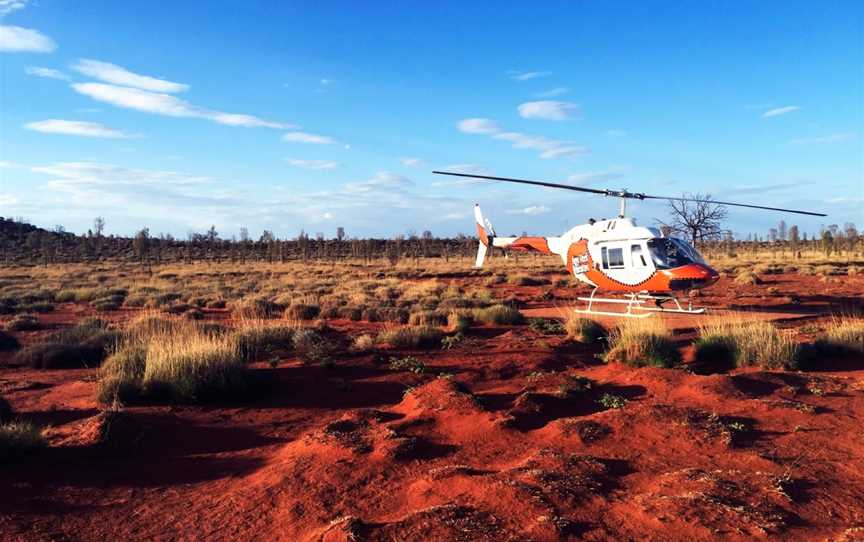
[(636, 305)]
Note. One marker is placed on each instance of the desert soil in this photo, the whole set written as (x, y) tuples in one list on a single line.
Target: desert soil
[(482, 446)]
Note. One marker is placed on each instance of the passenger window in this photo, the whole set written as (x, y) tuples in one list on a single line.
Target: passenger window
[(613, 258), (637, 256)]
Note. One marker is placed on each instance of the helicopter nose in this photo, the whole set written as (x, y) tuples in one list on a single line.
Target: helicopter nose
[(692, 276)]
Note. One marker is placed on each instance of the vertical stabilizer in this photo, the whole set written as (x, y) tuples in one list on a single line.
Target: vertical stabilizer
[(483, 236)]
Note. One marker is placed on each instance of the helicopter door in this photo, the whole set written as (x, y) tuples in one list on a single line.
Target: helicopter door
[(612, 262)]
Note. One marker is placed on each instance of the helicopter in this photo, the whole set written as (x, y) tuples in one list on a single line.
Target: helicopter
[(648, 268)]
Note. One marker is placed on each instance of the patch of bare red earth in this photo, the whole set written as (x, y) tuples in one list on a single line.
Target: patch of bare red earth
[(493, 452)]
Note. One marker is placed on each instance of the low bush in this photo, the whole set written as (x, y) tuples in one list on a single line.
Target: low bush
[(313, 347), (412, 337), (584, 330), (85, 344), (526, 280), (428, 318), (642, 342), (408, 363), (459, 321), (363, 343), (23, 322), (499, 315), (121, 374), (546, 326), (742, 344), (747, 277)]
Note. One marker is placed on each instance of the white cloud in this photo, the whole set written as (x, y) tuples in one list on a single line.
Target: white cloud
[(8, 6), (325, 82), (327, 216), (530, 211), (478, 126), (8, 199), (593, 177), (383, 180), (412, 162), (313, 164), (821, 140), (474, 169), (777, 111), (548, 110), (525, 76), (551, 93), (74, 127), (303, 137), (15, 39), (168, 105), (111, 73), (48, 73), (549, 148)]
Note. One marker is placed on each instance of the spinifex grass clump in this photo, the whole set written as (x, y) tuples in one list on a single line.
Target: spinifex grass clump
[(642, 342), (17, 438), (499, 315), (843, 335), (584, 330), (181, 361), (257, 339), (733, 342), (412, 337), (83, 345)]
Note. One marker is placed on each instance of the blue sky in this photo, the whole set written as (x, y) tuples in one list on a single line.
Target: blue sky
[(315, 115)]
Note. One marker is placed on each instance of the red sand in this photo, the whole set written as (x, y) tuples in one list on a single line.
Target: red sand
[(345, 453)]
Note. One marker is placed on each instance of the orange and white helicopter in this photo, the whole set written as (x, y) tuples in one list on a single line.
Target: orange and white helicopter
[(616, 255)]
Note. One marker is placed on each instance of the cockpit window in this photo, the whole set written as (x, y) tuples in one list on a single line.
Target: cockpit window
[(669, 252)]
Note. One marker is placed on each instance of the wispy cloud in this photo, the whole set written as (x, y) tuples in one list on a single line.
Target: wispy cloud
[(313, 164), (530, 211), (526, 76), (15, 39), (777, 111), (548, 148), (118, 75), (382, 180), (304, 137), (8, 199), (412, 162), (548, 110), (552, 92), (593, 177), (76, 128), (48, 73), (8, 6), (167, 105), (821, 140)]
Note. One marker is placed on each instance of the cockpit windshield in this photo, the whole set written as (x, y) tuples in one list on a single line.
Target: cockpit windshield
[(670, 252)]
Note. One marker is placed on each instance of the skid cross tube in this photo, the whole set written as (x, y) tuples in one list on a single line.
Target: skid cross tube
[(636, 302)]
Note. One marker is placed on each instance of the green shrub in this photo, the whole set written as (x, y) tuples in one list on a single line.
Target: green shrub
[(546, 326), (640, 343), (609, 400), (408, 363), (427, 318), (121, 374), (459, 321), (312, 347)]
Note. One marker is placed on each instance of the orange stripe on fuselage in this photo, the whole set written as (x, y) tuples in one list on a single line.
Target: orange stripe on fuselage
[(535, 244)]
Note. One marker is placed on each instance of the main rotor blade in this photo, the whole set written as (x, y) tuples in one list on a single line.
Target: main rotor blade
[(737, 205), (621, 193), (523, 181)]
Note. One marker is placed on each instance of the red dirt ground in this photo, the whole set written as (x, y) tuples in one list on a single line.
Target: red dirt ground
[(492, 452)]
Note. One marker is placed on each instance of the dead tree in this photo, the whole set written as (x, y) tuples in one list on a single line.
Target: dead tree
[(700, 220)]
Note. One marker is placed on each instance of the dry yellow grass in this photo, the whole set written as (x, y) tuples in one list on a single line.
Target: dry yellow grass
[(642, 342), (732, 340)]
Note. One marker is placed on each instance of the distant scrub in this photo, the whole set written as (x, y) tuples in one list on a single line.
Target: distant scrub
[(23, 322), (18, 439)]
